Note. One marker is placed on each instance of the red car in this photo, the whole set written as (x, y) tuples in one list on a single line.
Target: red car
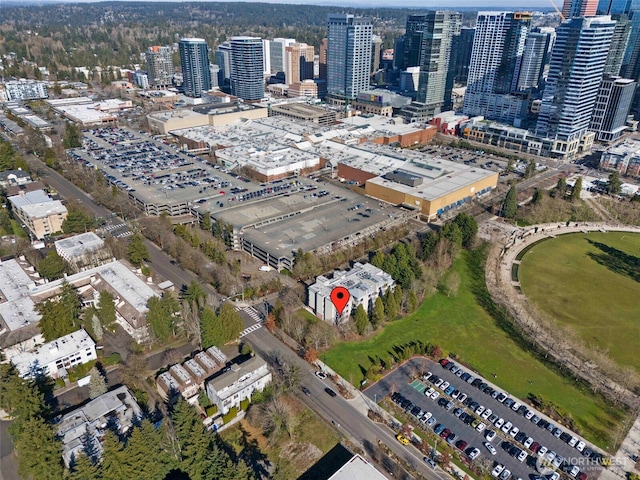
[(444, 362), (535, 446), (445, 433), (461, 444), (582, 476)]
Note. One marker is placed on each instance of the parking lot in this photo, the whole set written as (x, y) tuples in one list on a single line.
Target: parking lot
[(463, 408)]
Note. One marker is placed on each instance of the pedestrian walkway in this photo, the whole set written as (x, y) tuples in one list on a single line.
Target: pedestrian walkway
[(250, 329), (253, 313)]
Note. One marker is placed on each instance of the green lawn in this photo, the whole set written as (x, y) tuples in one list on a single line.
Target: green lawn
[(591, 283), (459, 324)]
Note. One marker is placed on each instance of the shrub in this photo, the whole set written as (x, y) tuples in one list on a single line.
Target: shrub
[(244, 404), (112, 359), (233, 413), (212, 410)]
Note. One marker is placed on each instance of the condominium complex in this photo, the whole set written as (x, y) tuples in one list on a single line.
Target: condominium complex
[(348, 55), (159, 66), (247, 71), (40, 213), (496, 58), (196, 75), (575, 72), (579, 8)]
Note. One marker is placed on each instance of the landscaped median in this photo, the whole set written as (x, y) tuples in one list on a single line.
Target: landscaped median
[(461, 326)]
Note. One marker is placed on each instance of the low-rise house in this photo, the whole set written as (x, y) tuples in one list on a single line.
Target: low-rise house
[(82, 430), (54, 358), (231, 387), (9, 178)]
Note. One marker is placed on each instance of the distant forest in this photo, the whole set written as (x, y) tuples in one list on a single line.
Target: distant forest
[(63, 36)]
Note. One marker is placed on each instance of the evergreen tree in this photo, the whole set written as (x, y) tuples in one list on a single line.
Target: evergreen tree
[(39, 451), (615, 185), (145, 458), (397, 292), (137, 251), (85, 469), (231, 321), (60, 317), (530, 171), (428, 245), (195, 294), (468, 228), (510, 206), (77, 221), (113, 457), (205, 223), (537, 196), (107, 310), (53, 266), (361, 319), (377, 314), (209, 328), (390, 305), (194, 442), (378, 259), (97, 383), (161, 316), (412, 301), (452, 232), (577, 188), (561, 186), (72, 136)]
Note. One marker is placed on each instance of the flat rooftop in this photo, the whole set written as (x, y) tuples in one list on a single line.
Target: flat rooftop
[(30, 198), (80, 244), (357, 469), (16, 308), (84, 113), (51, 351), (44, 210)]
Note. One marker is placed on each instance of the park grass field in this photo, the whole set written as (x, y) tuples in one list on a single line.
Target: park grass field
[(462, 326), (591, 283)]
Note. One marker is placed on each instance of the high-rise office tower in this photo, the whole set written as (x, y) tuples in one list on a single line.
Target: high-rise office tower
[(247, 64), (612, 106), (535, 57), (194, 56), (619, 42), (298, 63), (277, 53), (376, 53), (159, 66), (579, 8), (461, 54), (631, 60), (348, 55), (496, 57), (613, 7), (223, 60), (266, 57), (575, 72), (432, 36)]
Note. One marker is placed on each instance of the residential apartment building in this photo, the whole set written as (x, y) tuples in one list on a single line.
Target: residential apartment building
[(496, 58), (624, 158), (579, 8), (575, 72), (83, 250), (196, 75), (247, 74), (54, 358), (228, 389), (86, 426), (348, 55), (159, 66), (40, 213), (535, 58), (25, 90), (364, 282), (461, 47)]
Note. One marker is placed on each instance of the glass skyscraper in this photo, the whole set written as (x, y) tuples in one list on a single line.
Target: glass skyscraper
[(348, 55), (247, 68), (194, 57)]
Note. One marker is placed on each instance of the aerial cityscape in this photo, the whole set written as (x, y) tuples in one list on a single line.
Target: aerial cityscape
[(246, 241)]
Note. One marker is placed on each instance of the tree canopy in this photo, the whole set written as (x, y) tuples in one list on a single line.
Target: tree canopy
[(53, 266), (137, 252), (510, 206), (161, 316)]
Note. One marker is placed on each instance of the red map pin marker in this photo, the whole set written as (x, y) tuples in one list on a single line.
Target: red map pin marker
[(340, 297)]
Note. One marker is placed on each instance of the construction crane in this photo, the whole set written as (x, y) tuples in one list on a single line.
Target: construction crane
[(557, 10)]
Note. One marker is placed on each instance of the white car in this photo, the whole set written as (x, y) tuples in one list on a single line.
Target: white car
[(551, 455), (426, 376), (554, 476), (480, 427), (499, 422), (528, 442), (506, 473), (475, 453), (444, 386), (434, 395), (506, 427), (497, 470), (490, 447), (429, 391), (486, 414), (516, 406), (556, 462), (462, 397), (490, 435), (542, 450), (529, 415), (514, 431), (574, 471), (522, 456), (479, 410), (320, 374), (580, 446), (572, 441)]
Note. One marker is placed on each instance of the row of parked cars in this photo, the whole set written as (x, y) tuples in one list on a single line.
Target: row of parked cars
[(548, 457)]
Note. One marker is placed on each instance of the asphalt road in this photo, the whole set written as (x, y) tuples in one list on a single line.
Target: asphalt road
[(160, 261), (399, 381), (340, 412)]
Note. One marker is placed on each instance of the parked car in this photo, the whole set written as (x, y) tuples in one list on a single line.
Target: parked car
[(461, 444), (473, 454), (490, 435), (486, 414), (451, 438), (430, 462), (490, 447), (497, 470), (402, 439)]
